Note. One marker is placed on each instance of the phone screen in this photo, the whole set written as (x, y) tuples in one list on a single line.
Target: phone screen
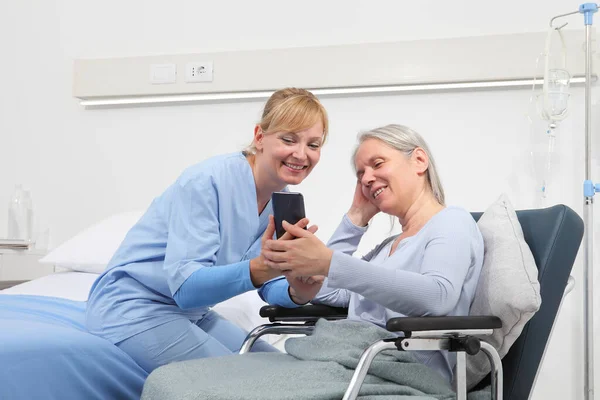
[(287, 206)]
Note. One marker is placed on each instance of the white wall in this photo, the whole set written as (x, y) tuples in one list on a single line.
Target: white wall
[(85, 165)]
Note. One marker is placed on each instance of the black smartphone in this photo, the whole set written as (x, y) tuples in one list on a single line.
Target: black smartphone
[(287, 206)]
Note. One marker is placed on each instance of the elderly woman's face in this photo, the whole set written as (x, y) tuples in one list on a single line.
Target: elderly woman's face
[(388, 177)]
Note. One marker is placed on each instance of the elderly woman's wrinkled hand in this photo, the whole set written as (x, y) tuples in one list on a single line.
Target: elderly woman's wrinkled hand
[(362, 209), (304, 256)]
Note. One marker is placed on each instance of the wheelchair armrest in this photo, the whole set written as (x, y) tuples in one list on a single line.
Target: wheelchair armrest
[(467, 323), (303, 314)]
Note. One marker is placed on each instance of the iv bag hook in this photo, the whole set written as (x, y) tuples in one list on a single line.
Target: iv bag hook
[(560, 16)]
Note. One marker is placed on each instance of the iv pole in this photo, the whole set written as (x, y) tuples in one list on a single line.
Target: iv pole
[(589, 189)]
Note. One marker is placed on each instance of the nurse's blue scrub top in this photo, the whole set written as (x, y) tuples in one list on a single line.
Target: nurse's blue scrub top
[(207, 219)]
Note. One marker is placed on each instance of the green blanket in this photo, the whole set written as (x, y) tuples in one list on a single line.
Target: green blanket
[(319, 366)]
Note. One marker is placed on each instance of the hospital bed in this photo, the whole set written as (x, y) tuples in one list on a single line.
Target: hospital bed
[(553, 234)]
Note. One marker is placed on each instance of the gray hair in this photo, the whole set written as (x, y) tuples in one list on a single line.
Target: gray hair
[(405, 140)]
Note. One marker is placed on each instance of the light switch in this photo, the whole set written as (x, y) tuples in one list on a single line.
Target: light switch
[(163, 73)]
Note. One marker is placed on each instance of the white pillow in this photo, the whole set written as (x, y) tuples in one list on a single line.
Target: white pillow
[(508, 286), (92, 249)]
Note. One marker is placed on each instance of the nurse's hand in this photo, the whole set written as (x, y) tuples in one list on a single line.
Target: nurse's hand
[(362, 209), (260, 272), (304, 288), (304, 256)]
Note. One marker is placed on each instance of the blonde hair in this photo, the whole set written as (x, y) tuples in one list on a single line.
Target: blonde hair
[(291, 110), (406, 140)]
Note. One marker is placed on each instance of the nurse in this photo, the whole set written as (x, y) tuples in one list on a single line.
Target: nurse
[(199, 243)]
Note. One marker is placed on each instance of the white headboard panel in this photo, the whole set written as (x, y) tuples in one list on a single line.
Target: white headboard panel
[(422, 62)]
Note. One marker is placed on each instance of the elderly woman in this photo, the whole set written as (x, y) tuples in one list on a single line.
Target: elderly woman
[(430, 269)]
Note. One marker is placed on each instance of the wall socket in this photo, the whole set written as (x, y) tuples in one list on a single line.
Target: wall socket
[(201, 71)]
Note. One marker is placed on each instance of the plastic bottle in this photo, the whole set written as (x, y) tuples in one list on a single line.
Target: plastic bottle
[(28, 206), (19, 215)]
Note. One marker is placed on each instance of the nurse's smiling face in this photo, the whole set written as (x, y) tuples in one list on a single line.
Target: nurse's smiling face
[(288, 157)]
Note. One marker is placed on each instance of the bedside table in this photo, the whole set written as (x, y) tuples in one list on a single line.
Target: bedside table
[(17, 266)]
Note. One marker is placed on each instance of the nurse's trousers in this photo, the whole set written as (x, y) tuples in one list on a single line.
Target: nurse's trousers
[(182, 339)]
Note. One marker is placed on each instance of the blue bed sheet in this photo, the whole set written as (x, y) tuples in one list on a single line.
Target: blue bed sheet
[(46, 353)]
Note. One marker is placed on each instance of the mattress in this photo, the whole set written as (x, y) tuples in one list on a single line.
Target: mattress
[(65, 285)]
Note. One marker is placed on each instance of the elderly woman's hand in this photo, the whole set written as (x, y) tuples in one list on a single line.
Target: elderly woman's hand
[(302, 257), (362, 210)]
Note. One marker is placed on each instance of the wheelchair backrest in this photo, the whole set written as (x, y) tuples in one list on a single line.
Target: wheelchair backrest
[(554, 235)]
